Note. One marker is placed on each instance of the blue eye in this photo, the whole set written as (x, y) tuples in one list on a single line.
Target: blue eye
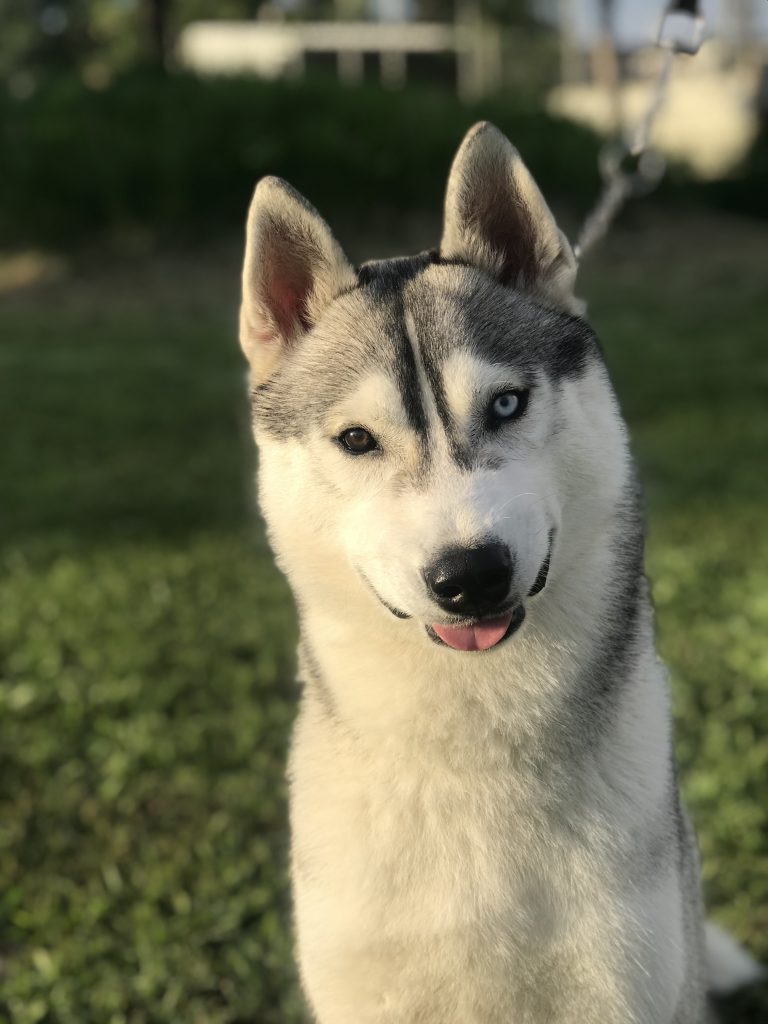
[(357, 441), (509, 405)]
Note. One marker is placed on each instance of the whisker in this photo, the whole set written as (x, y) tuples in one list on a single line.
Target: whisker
[(523, 494), (495, 516)]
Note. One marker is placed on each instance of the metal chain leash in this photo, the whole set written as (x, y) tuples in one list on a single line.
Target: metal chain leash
[(628, 167)]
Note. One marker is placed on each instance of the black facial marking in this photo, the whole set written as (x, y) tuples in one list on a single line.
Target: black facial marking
[(386, 278), (510, 327), (390, 608), (390, 275), (436, 257), (432, 369), (569, 354), (395, 611), (541, 579), (408, 381)]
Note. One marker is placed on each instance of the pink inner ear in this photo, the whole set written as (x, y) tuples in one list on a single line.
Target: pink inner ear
[(287, 288)]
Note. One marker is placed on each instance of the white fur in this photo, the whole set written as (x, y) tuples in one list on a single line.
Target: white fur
[(470, 844), (437, 878)]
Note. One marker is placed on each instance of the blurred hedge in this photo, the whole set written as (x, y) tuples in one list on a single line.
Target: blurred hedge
[(182, 154), (743, 191)]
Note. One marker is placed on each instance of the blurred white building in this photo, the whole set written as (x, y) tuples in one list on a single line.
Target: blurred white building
[(273, 49), (709, 119)]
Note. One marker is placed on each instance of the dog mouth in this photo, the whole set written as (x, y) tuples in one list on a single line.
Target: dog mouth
[(484, 634), (481, 635)]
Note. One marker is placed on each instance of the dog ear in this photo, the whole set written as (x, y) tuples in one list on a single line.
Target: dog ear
[(293, 268), (496, 219)]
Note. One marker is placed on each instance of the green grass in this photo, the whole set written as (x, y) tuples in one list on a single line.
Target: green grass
[(146, 641)]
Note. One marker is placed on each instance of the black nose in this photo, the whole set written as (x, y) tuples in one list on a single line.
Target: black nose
[(470, 581)]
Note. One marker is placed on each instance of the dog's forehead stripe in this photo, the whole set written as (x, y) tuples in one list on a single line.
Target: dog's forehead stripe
[(407, 376), (433, 368), (437, 338), (430, 360)]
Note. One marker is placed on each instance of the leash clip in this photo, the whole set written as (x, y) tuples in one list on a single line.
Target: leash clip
[(682, 27)]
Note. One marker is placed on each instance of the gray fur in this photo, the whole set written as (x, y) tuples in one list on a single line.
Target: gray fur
[(474, 312), (492, 837)]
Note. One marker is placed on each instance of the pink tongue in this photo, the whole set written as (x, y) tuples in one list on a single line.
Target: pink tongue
[(474, 638)]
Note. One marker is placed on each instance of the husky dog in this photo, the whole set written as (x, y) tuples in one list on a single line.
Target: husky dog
[(486, 824)]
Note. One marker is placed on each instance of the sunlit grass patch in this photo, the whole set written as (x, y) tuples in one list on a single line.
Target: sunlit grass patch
[(146, 640)]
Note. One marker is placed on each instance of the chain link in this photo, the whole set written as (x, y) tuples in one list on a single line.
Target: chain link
[(679, 33), (642, 133), (615, 193), (619, 182)]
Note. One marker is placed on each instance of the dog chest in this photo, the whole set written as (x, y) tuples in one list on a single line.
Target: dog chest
[(409, 876), (419, 846)]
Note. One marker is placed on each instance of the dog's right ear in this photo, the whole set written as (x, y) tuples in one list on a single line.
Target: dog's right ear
[(496, 218), (293, 268)]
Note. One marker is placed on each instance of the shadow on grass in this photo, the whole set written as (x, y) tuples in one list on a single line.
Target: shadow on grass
[(747, 1007)]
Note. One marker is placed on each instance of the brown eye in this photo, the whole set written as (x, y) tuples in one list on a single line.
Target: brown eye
[(357, 441)]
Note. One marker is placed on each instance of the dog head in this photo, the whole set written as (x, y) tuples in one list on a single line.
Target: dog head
[(438, 431)]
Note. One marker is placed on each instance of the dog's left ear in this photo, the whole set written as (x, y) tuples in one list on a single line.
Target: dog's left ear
[(496, 218), (293, 269)]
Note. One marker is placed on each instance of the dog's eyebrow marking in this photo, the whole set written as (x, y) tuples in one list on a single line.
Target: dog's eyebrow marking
[(434, 383), (422, 377), (407, 375)]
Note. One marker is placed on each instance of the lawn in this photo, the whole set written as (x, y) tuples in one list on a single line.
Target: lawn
[(146, 641)]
